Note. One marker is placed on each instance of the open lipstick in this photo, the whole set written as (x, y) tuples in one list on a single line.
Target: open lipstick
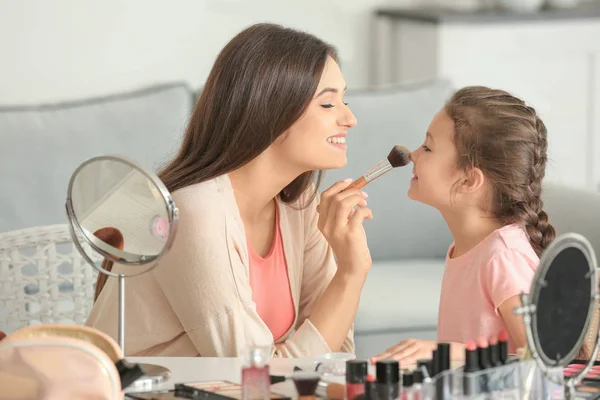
[(484, 354), (494, 352), (503, 347), (471, 365)]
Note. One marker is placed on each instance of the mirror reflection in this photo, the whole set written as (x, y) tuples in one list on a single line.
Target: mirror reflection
[(120, 209)]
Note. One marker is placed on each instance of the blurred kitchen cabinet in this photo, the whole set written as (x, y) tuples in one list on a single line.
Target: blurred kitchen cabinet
[(551, 59)]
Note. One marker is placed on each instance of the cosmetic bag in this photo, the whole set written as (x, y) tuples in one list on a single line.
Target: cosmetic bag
[(52, 362)]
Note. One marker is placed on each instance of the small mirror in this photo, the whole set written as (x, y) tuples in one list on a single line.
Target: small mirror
[(123, 212), (560, 306), (126, 215)]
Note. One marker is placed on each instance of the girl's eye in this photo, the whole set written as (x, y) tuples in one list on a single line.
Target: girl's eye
[(427, 149), (345, 103)]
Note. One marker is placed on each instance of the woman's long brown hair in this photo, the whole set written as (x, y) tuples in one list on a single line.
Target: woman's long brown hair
[(260, 84)]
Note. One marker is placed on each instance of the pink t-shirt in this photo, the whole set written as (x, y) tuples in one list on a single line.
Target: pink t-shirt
[(271, 287), (476, 283)]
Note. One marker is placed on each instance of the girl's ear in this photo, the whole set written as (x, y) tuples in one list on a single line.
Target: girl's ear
[(472, 180)]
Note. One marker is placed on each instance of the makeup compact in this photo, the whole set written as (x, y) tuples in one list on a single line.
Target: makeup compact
[(559, 309)]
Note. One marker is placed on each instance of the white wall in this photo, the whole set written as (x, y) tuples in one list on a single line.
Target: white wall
[(66, 49)]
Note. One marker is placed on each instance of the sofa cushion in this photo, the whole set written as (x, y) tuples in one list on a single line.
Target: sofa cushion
[(400, 295), (401, 228), (572, 209), (42, 145)]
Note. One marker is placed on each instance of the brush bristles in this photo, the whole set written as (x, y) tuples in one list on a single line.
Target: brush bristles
[(306, 382), (399, 156)]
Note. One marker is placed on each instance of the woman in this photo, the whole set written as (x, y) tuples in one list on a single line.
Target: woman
[(253, 261)]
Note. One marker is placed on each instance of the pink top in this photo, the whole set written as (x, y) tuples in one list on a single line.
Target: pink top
[(476, 283), (271, 286)]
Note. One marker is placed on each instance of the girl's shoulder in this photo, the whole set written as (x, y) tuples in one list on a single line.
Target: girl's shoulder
[(512, 239)]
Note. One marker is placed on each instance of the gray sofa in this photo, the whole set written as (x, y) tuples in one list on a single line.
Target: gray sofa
[(42, 145), (409, 240)]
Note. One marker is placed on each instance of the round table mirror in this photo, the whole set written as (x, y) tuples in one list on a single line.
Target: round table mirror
[(560, 306), (125, 214)]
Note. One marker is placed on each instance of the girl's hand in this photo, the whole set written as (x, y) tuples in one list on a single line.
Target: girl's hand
[(409, 351), (341, 224)]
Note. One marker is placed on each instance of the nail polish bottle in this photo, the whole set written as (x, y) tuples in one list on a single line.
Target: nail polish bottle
[(417, 384), (388, 379), (356, 374), (256, 382), (407, 384)]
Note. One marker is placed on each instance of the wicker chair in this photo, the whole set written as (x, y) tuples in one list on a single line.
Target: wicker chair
[(43, 278)]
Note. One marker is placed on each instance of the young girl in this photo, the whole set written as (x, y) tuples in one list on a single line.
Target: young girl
[(482, 165)]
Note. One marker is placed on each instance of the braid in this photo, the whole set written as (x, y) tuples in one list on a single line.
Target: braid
[(540, 232), (528, 207), (505, 138)]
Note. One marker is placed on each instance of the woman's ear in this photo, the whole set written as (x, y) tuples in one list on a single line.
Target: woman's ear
[(472, 180)]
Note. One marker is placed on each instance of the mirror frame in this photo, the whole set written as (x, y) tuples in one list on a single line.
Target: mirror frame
[(528, 310), (108, 252)]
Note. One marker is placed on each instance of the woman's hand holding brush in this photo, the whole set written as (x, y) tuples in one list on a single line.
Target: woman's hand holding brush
[(342, 225), (342, 211), (339, 220)]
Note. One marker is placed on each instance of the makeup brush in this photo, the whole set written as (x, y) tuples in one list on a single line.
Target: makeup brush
[(282, 378), (306, 384), (398, 157)]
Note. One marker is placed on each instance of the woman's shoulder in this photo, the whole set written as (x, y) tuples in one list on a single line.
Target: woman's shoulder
[(203, 204), (200, 197)]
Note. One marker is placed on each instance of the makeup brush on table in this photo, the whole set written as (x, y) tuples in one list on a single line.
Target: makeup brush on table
[(306, 384), (398, 157)]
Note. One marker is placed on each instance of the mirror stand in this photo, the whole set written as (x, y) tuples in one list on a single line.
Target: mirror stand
[(121, 330), (109, 186), (152, 374), (557, 312)]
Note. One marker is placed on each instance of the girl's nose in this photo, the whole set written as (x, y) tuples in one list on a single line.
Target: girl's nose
[(414, 155)]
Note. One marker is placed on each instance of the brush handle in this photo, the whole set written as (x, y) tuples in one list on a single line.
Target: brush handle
[(335, 391), (357, 184)]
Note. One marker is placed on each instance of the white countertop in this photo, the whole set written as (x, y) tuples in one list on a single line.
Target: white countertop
[(196, 369)]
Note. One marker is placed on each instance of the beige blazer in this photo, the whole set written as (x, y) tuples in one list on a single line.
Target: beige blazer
[(198, 300)]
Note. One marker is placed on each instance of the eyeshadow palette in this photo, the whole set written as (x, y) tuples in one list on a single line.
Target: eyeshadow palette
[(218, 390), (592, 375), (589, 388), (157, 395)]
